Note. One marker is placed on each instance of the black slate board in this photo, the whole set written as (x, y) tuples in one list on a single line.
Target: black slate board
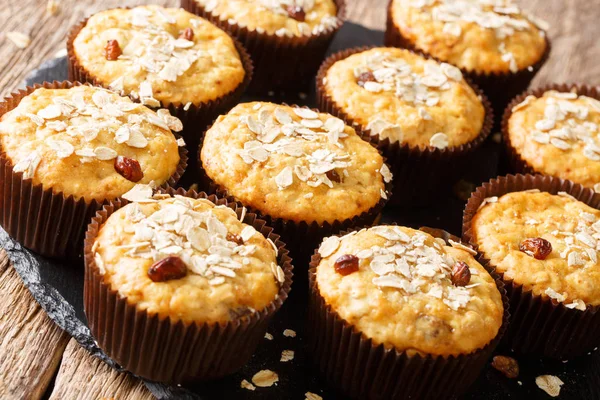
[(58, 288)]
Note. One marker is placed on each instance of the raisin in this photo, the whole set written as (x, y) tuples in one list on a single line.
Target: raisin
[(167, 269), (237, 239), (346, 264), (112, 51), (296, 12), (187, 34), (461, 274), (538, 248), (365, 77), (129, 168), (334, 176)]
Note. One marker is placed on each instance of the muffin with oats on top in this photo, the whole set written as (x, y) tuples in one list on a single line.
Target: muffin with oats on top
[(287, 39), (188, 273), (425, 116), (542, 235), (495, 43), (554, 130), (66, 149), (306, 172), (410, 316)]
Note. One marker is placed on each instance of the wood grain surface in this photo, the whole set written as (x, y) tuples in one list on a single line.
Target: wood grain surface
[(31, 346), (81, 376)]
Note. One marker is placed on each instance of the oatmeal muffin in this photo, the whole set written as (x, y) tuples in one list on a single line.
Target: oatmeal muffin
[(545, 247), (495, 42), (303, 170), (162, 57), (185, 262), (404, 290), (83, 145), (423, 115), (287, 39), (555, 133), (294, 163), (403, 97)]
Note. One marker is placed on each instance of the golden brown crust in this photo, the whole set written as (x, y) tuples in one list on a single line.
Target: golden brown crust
[(68, 139), (410, 99), (157, 65), (570, 273), (272, 17), (492, 38), (227, 276), (555, 134), (412, 306), (291, 171)]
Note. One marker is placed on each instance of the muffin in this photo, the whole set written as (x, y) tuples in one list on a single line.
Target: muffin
[(162, 57), (65, 149), (553, 130), (540, 233), (424, 115), (287, 39), (306, 172), (409, 315), (173, 277), (497, 45)]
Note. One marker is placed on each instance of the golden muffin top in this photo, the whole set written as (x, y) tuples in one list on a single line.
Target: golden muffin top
[(406, 289), (557, 134), (486, 36), (89, 142), (546, 243), (294, 163), (159, 55), (277, 17), (187, 259), (404, 97)]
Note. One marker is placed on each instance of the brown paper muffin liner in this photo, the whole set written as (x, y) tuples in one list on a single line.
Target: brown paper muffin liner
[(167, 350), (516, 162), (420, 174), (499, 87), (51, 224), (301, 237), (539, 325), (280, 62), (195, 117), (360, 368)]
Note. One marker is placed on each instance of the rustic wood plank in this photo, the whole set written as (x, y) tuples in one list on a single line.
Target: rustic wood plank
[(31, 345), (82, 376)]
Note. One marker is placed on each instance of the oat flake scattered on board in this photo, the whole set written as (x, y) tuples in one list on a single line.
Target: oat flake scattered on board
[(20, 40), (52, 7), (312, 396), (289, 333), (287, 355), (550, 384), (247, 385), (265, 378)]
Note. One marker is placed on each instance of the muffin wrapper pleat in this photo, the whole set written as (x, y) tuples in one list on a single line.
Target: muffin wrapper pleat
[(539, 325), (170, 351), (51, 224), (280, 62), (195, 117), (360, 368), (420, 174), (499, 87), (516, 162), (301, 237)]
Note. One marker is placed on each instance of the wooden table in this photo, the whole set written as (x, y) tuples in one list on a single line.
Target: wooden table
[(33, 351)]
